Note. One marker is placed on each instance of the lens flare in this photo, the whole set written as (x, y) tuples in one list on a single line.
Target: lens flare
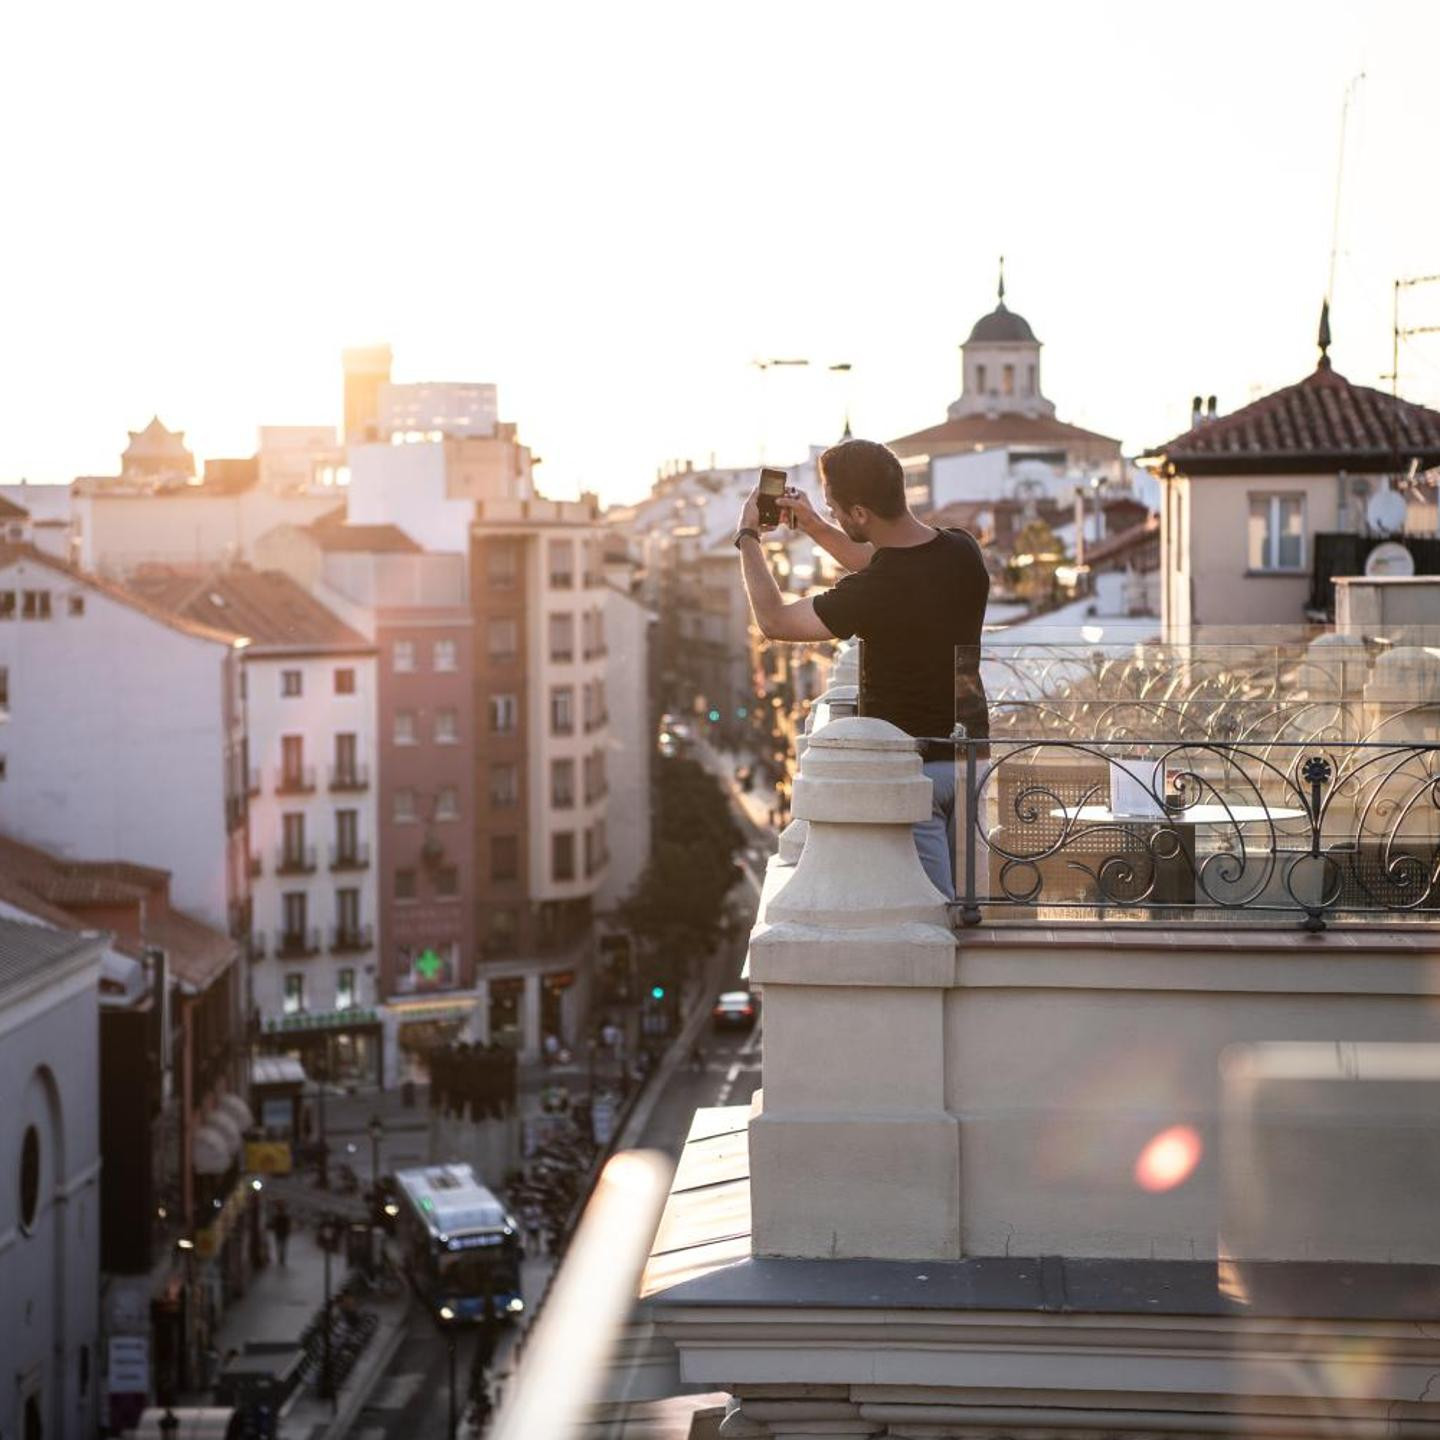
[(1169, 1159)]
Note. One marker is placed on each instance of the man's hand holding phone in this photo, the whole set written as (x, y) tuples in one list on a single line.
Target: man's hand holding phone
[(797, 512)]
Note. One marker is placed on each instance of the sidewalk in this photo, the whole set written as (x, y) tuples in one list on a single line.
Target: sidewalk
[(280, 1303)]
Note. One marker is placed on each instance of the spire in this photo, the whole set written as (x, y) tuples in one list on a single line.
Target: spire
[(845, 434), (1002, 283), (1323, 338)]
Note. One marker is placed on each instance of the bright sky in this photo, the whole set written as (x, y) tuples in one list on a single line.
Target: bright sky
[(611, 210)]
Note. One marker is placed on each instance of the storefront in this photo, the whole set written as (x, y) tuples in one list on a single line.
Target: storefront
[(346, 1047), (420, 1025)]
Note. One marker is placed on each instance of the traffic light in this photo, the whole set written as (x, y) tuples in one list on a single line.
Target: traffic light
[(741, 712), (657, 992), (714, 717)]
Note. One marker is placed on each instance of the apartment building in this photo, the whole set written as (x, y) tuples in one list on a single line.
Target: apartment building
[(311, 709), (125, 735), (415, 608)]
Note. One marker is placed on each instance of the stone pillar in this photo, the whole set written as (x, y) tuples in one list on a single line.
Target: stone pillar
[(840, 696), (852, 1150)]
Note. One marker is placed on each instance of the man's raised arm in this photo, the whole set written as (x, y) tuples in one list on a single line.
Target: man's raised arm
[(852, 554)]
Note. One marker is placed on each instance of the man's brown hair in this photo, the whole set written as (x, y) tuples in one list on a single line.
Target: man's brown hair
[(862, 472)]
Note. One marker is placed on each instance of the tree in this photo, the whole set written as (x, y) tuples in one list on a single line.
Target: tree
[(679, 903)]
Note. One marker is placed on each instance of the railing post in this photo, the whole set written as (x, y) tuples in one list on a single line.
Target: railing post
[(852, 1151), (968, 840)]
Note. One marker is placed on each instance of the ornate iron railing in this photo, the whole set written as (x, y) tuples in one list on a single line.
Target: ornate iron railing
[(1314, 830)]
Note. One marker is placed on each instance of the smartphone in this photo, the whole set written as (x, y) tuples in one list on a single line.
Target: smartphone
[(772, 487)]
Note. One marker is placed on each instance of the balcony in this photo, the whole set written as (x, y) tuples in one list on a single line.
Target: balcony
[(297, 780), (345, 939), (350, 857), (295, 860), (296, 944), (349, 779), (257, 867), (1129, 1134)]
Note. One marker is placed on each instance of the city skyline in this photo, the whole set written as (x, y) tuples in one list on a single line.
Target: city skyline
[(613, 242)]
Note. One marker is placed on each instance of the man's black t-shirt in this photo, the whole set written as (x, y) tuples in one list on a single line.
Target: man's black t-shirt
[(912, 606)]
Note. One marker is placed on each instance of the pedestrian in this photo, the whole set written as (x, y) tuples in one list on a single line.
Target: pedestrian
[(280, 1227), (534, 1227)]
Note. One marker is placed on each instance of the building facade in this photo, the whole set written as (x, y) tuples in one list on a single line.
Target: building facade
[(49, 1205)]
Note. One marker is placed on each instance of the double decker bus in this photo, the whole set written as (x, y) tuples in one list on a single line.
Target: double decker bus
[(459, 1243)]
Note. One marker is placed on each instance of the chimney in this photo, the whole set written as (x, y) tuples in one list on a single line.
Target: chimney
[(1196, 415), (1210, 408)]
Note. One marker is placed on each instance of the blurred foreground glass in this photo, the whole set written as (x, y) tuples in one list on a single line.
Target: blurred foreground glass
[(590, 1298)]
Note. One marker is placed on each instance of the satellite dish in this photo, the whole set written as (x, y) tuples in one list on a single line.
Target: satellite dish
[(1391, 558), (1385, 511)]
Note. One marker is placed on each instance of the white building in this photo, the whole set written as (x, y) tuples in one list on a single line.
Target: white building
[(50, 1203), (295, 459), (125, 732), (310, 702)]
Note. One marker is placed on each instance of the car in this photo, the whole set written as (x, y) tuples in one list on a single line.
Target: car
[(735, 1010)]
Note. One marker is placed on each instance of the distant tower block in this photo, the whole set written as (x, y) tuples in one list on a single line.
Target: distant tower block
[(366, 370)]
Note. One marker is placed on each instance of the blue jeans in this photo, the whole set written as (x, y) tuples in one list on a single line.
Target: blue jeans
[(935, 837)]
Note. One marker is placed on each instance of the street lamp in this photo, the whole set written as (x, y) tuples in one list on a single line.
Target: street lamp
[(447, 1321), (186, 1247), (327, 1233)]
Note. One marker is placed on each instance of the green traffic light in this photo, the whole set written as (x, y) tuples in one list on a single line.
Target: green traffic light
[(657, 992), (714, 717)]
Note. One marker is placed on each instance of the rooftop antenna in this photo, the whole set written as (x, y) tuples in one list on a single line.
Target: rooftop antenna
[(1002, 283)]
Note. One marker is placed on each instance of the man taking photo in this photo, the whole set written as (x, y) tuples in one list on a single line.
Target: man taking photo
[(912, 595)]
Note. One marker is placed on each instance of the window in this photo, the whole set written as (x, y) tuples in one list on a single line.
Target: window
[(404, 727), (4, 687), (502, 564), (502, 639), (295, 910), (291, 683), (447, 727), (344, 989), (447, 803), (447, 882), (347, 768), (294, 994), (562, 855), (347, 910), (7, 604), (1029, 379), (562, 710), (445, 656), (504, 785), (504, 714), (29, 1178), (1277, 532), (347, 834), (562, 564), (345, 682), (1007, 379), (562, 637), (35, 605), (980, 379), (404, 805), (4, 767), (562, 784), (292, 829), (504, 857), (404, 884), (77, 604), (403, 655), (501, 939), (292, 761)]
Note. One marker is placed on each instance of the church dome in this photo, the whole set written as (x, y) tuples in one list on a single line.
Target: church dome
[(1001, 325)]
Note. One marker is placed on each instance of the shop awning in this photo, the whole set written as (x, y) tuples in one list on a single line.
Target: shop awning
[(209, 1151)]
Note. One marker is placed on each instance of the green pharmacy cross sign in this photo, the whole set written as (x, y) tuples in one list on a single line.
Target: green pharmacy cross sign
[(428, 965)]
